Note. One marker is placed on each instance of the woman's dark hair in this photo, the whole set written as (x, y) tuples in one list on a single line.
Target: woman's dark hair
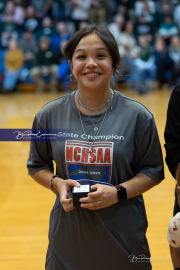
[(103, 33)]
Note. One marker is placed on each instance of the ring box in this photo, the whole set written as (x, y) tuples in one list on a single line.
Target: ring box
[(80, 192)]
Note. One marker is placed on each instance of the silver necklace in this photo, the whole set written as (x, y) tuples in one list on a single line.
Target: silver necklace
[(96, 125), (91, 143), (107, 102)]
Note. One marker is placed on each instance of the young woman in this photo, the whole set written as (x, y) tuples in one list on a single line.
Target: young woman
[(114, 146)]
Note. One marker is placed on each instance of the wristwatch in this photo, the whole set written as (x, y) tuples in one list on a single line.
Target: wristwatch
[(121, 192)]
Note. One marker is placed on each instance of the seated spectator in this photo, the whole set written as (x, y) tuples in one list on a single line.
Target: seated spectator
[(62, 34), (176, 13), (16, 10), (82, 25), (127, 43), (117, 26), (98, 11), (9, 8), (45, 66), (41, 7), (126, 8), (129, 51), (14, 60), (31, 23), (150, 17), (29, 46), (8, 30), (64, 68), (139, 7), (19, 12), (47, 28), (164, 64), (71, 29), (160, 6), (2, 6), (80, 11), (168, 29), (163, 9), (58, 10), (23, 4), (142, 27), (174, 53), (145, 64)]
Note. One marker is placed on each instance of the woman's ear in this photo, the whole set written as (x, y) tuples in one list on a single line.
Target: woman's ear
[(70, 64)]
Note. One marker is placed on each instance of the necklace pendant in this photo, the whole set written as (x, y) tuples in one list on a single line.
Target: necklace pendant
[(90, 149), (95, 128)]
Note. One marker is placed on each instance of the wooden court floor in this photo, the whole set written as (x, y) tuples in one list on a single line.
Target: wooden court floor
[(25, 206)]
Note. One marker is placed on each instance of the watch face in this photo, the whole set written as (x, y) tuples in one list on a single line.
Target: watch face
[(122, 194)]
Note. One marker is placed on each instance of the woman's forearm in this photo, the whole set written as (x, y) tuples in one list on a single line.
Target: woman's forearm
[(43, 177), (175, 256), (139, 184), (62, 187)]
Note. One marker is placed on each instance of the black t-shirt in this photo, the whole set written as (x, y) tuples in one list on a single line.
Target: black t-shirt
[(172, 136), (46, 58), (172, 131)]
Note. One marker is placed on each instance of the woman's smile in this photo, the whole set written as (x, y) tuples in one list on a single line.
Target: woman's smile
[(92, 74)]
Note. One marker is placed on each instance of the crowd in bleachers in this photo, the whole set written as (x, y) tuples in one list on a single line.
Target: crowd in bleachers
[(33, 34)]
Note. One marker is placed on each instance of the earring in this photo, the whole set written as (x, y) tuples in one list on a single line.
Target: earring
[(71, 76), (117, 77)]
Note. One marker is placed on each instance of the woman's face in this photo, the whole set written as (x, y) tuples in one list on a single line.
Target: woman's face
[(12, 45), (159, 45), (129, 27), (92, 63), (175, 42)]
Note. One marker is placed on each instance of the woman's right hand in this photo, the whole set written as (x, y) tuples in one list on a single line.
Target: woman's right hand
[(63, 187)]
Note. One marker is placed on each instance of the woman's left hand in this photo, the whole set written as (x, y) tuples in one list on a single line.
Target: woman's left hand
[(103, 196)]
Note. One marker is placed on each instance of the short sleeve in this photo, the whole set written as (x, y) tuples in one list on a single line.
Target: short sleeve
[(40, 157), (148, 158), (172, 131)]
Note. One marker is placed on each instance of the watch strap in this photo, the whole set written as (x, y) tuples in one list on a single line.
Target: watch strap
[(121, 192), (50, 184)]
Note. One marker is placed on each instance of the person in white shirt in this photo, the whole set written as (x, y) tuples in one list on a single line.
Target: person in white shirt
[(176, 14), (80, 11), (116, 27)]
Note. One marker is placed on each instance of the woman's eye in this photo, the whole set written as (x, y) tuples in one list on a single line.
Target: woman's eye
[(101, 55), (81, 57)]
